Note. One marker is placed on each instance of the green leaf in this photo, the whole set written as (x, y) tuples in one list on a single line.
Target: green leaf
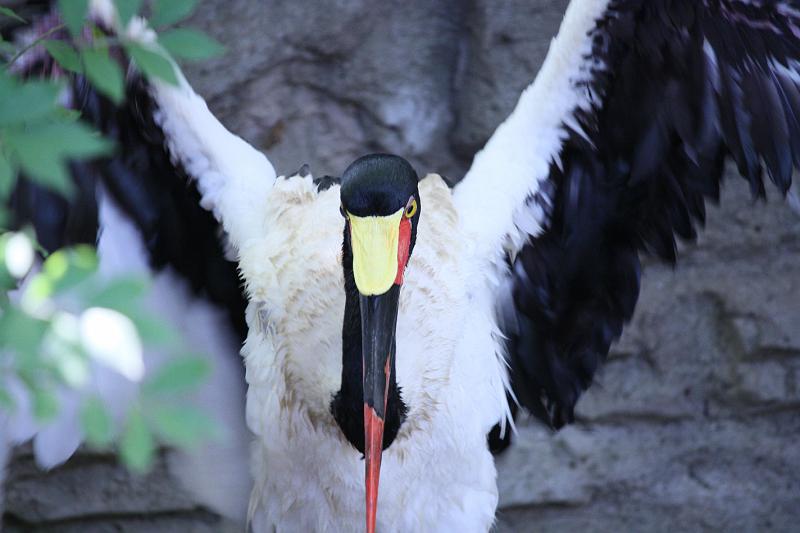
[(7, 281), (137, 446), (152, 63), (48, 171), (118, 294), (166, 12), (190, 44), (84, 256), (8, 176), (73, 12), (64, 269), (178, 375), (182, 426), (56, 266), (62, 349), (43, 166), (21, 332), (104, 73), (74, 139), (152, 331), (10, 14), (43, 151), (69, 115), (7, 47), (127, 9), (28, 101), (96, 423), (38, 291), (7, 84), (65, 55), (6, 401), (45, 405)]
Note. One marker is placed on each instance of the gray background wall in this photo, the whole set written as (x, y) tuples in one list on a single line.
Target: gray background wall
[(694, 424)]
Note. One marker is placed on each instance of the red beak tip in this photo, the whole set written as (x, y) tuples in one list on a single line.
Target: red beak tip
[(373, 448)]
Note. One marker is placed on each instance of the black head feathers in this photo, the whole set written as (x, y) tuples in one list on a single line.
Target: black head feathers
[(378, 185)]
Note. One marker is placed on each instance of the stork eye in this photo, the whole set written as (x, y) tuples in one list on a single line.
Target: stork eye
[(411, 207)]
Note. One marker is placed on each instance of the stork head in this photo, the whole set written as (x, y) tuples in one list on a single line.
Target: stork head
[(380, 201), (381, 205)]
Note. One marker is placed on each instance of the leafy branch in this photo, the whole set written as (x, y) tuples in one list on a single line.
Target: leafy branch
[(66, 321), (36, 42)]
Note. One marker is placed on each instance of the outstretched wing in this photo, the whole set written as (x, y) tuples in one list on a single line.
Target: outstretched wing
[(233, 178), (612, 151), (179, 191)]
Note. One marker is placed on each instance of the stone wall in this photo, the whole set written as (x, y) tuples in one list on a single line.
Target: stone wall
[(694, 424)]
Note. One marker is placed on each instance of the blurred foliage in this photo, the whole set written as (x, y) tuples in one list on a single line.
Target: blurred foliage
[(61, 323)]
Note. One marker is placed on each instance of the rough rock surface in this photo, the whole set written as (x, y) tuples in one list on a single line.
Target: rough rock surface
[(695, 422)]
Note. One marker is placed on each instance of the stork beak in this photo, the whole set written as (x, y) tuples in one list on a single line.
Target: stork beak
[(378, 322), (379, 253)]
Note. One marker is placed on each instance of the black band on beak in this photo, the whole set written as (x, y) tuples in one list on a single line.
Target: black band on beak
[(378, 322)]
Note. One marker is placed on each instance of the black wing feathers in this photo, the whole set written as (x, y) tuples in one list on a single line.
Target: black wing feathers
[(157, 194), (572, 291), (58, 221), (153, 191), (687, 84)]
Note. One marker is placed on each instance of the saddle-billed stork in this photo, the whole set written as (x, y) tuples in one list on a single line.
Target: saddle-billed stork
[(393, 320)]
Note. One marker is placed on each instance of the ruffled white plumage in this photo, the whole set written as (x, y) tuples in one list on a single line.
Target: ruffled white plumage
[(438, 474)]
